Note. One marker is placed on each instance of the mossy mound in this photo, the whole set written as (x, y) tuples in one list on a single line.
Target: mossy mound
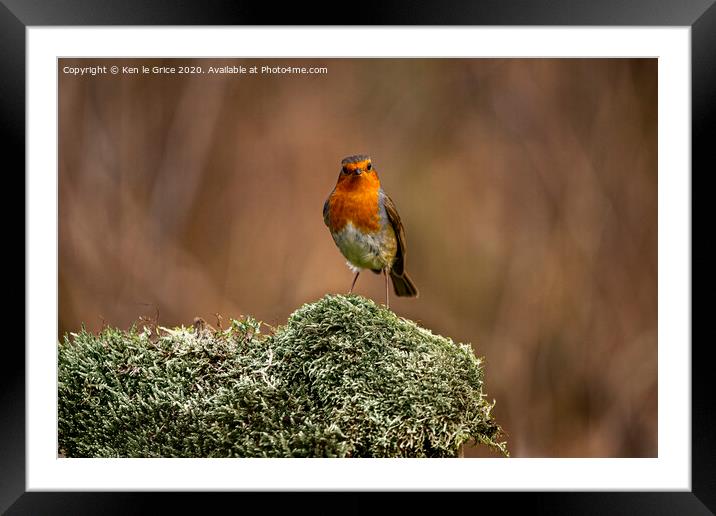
[(343, 378)]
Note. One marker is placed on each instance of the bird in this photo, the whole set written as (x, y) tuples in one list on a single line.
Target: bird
[(366, 227)]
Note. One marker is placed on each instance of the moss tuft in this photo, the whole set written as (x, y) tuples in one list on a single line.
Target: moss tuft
[(343, 378)]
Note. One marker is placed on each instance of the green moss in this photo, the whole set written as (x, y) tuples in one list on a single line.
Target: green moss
[(343, 378)]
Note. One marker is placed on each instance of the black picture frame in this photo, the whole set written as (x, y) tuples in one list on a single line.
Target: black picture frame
[(17, 15)]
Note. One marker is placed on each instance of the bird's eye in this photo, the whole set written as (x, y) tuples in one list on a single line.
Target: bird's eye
[(346, 171), (370, 166)]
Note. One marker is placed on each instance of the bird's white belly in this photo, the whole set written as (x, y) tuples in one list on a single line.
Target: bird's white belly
[(363, 250)]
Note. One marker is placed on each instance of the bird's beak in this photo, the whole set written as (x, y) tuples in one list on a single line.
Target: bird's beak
[(358, 171)]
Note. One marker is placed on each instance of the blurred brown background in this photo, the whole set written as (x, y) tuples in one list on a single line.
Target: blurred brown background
[(528, 188)]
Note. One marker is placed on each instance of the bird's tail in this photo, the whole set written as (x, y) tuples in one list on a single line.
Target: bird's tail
[(403, 285)]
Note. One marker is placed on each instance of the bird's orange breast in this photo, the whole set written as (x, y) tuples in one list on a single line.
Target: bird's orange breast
[(355, 199)]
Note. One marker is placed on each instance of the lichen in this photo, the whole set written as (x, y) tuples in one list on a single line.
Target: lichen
[(343, 378)]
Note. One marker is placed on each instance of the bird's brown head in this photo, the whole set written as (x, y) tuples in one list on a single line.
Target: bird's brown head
[(358, 172)]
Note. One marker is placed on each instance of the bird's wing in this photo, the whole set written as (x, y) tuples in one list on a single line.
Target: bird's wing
[(394, 219), (325, 211)]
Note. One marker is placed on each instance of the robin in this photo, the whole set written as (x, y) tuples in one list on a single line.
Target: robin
[(366, 226)]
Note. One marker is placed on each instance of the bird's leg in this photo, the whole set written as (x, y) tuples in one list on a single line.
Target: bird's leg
[(387, 300), (354, 282)]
